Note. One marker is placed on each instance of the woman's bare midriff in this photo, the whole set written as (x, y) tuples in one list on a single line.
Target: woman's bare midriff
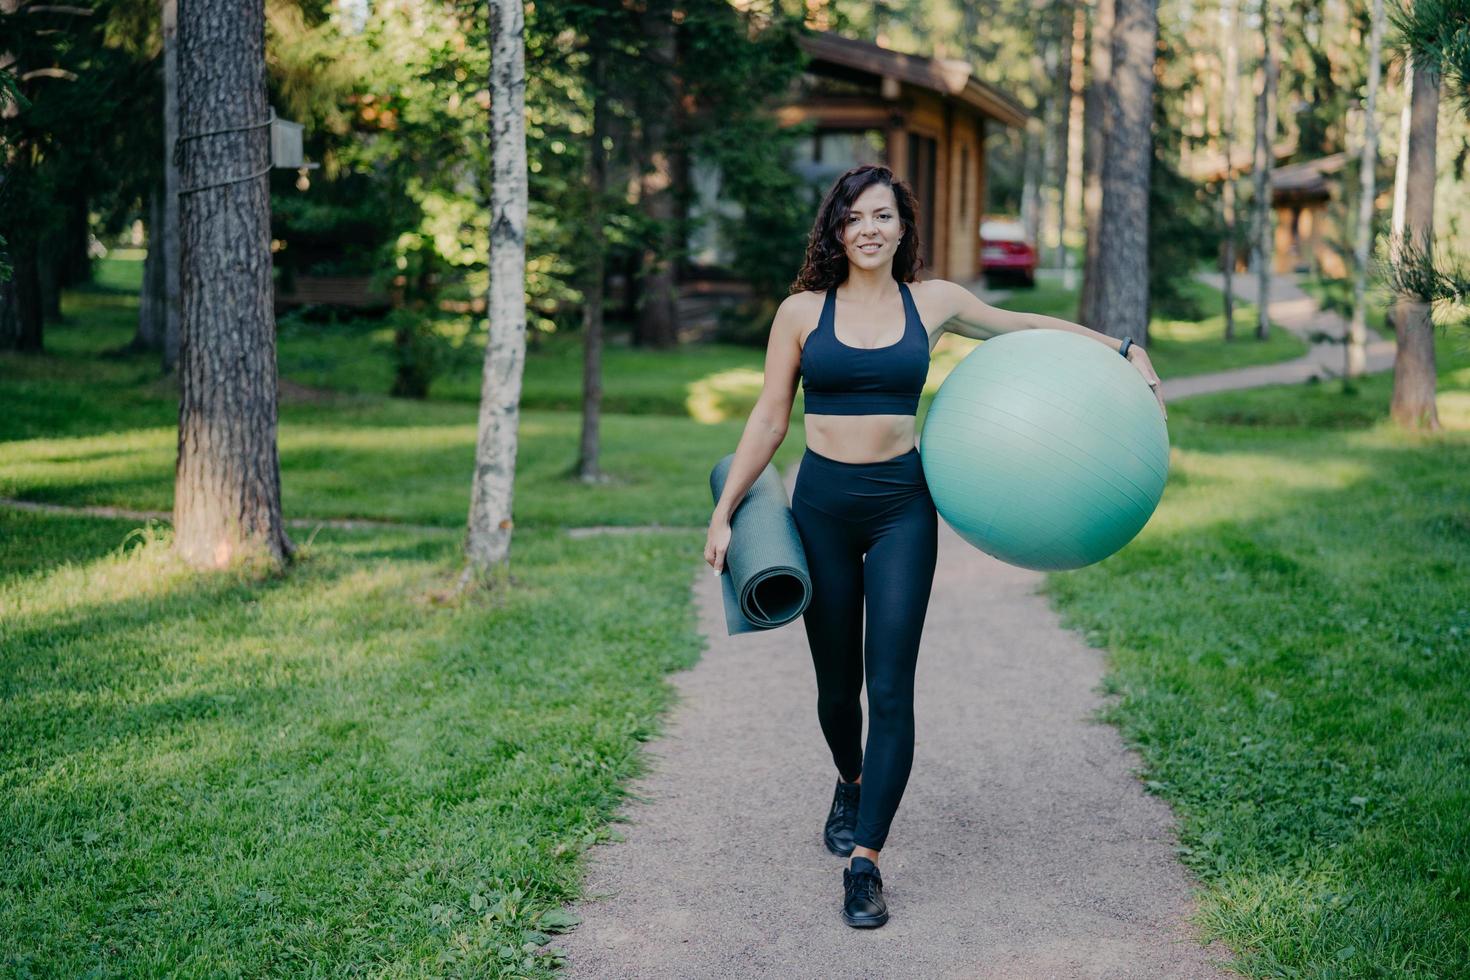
[(860, 438)]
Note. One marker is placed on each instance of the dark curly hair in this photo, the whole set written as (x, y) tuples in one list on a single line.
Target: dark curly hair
[(826, 258)]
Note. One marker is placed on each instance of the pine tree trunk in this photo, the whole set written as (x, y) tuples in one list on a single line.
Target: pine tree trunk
[(172, 276), (1056, 164), (150, 299), (1096, 136), (1032, 178), (491, 492), (1355, 352), (1076, 139), (587, 465), (1122, 294), (227, 491), (658, 320), (29, 324), (1227, 139), (1261, 226), (1414, 375), (50, 252), (9, 328)]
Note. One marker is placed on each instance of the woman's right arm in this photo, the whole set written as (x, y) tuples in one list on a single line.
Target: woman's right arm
[(766, 428)]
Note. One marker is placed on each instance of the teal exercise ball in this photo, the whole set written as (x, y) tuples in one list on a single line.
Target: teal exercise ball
[(1045, 449)]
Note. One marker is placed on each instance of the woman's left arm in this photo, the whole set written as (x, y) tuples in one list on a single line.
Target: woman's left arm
[(974, 318)]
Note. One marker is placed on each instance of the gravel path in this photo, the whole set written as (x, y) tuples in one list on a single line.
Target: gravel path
[(1024, 846)]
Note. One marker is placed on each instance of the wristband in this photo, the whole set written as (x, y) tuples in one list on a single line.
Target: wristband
[(1127, 342)]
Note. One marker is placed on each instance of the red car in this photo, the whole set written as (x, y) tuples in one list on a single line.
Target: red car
[(1005, 254)]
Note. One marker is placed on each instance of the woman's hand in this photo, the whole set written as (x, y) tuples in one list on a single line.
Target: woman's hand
[(717, 543), (1138, 357)]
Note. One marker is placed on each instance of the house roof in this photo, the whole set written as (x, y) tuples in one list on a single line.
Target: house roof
[(1308, 176), (951, 77)]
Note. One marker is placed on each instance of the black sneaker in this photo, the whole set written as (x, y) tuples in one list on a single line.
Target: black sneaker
[(843, 818), (862, 895)]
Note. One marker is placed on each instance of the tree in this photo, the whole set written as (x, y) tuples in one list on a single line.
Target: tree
[(492, 489), (1095, 129), (169, 237), (1261, 225), (1414, 376), (1227, 140), (588, 468), (1355, 355), (227, 490), (1122, 282)]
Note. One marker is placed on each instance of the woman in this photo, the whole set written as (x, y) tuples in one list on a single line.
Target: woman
[(860, 503)]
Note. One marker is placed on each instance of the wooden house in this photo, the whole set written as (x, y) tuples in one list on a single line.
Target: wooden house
[(924, 118)]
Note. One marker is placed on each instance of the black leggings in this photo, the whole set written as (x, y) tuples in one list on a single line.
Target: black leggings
[(882, 510)]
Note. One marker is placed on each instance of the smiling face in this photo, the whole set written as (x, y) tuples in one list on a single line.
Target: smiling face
[(872, 230)]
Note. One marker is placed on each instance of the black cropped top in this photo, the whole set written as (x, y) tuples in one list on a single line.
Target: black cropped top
[(837, 379)]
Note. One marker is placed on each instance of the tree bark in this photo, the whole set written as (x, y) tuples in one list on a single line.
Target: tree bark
[(150, 299), (491, 494), (1095, 135), (29, 324), (1056, 164), (1355, 352), (227, 491), (658, 320), (172, 277), (1076, 139), (1122, 293), (587, 465), (1227, 139), (8, 325), (50, 249), (1261, 227), (1401, 169), (1414, 374)]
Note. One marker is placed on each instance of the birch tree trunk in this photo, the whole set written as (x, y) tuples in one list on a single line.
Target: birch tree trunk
[(1414, 376), (1401, 169), (1227, 137), (1095, 134), (1355, 354), (1261, 228), (227, 489), (491, 492), (1122, 292)]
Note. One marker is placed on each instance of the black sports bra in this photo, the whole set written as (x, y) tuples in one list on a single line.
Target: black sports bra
[(837, 379)]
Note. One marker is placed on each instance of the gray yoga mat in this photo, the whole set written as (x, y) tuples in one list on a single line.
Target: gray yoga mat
[(764, 578)]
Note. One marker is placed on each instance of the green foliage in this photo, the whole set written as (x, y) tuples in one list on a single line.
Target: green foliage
[(1438, 34)]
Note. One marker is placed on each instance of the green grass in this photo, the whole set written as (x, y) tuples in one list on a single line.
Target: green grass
[(1289, 642), (320, 774), (329, 773)]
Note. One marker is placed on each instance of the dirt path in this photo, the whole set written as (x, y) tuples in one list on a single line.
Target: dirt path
[(1024, 847), (1294, 310)]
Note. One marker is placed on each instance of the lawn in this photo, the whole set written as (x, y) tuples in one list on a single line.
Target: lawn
[(1289, 642), (330, 773)]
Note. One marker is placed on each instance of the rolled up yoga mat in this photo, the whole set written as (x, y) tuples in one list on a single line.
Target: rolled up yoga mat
[(764, 577)]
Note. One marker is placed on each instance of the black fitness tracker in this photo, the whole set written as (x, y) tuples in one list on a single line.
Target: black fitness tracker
[(1127, 343)]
